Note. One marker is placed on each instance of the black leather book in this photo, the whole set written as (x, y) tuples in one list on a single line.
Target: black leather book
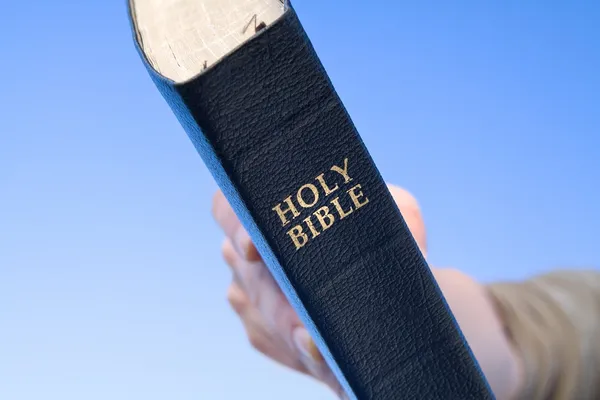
[(247, 86)]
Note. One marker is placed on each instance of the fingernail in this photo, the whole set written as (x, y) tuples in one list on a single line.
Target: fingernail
[(244, 245), (302, 341), (306, 345)]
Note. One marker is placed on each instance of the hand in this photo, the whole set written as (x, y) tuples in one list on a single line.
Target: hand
[(275, 330)]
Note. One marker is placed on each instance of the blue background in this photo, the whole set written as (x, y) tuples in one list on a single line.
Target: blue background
[(112, 284)]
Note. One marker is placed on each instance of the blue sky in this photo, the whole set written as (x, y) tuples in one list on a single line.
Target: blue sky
[(112, 284)]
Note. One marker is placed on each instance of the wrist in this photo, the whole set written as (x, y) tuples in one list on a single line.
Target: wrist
[(483, 329), (515, 369)]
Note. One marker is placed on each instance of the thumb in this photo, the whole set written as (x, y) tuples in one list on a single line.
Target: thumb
[(411, 212)]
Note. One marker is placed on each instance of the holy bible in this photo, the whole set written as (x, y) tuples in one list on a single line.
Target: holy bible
[(246, 84)]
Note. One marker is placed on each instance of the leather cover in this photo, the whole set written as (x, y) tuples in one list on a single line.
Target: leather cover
[(270, 127)]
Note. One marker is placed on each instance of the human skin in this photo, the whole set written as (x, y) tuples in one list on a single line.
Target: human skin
[(274, 329)]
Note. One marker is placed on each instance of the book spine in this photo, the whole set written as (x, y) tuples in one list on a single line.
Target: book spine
[(277, 139)]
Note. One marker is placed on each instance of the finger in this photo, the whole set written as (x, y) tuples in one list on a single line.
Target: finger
[(273, 326), (230, 223), (313, 361), (265, 295), (411, 212), (259, 336), (269, 347), (231, 256), (270, 344), (243, 307), (248, 274), (238, 300)]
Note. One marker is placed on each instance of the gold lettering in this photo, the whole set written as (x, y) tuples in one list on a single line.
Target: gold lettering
[(343, 172), (312, 228), (315, 192), (343, 214), (326, 188), (282, 212), (300, 204), (298, 236), (325, 218), (356, 197)]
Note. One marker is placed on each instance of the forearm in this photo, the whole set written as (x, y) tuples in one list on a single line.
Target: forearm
[(480, 323), (553, 322)]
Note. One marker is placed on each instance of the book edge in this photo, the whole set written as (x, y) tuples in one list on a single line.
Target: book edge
[(140, 45), (222, 178), (169, 89)]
